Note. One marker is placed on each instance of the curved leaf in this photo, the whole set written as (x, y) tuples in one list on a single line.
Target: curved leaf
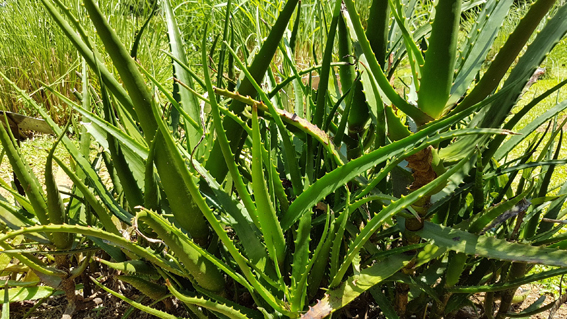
[(490, 247)]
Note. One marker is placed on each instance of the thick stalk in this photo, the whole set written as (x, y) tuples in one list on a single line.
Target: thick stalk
[(517, 270), (489, 305), (422, 165), (423, 173)]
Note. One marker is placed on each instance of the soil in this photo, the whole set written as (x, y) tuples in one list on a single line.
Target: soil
[(100, 304), (103, 305), (533, 296)]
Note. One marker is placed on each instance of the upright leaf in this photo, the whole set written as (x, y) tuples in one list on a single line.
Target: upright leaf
[(437, 75)]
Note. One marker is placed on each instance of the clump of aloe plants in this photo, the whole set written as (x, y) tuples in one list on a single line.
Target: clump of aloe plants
[(250, 194)]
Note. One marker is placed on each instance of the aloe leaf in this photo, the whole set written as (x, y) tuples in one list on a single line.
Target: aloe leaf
[(548, 170), (124, 169), (320, 108), (300, 263), (346, 113), (23, 201), (387, 212), (337, 237), (151, 311), (133, 81), (128, 122), (136, 144), (356, 285), (84, 139), (179, 195), (535, 54), (338, 177), (299, 88), (187, 178), (127, 141), (55, 207), (495, 115), (201, 269), (290, 119), (49, 275), (482, 42), (193, 75), (396, 129), (506, 170), (273, 234), (185, 98), (25, 176), (223, 49), (382, 301), (377, 31), (257, 70), (375, 105), (208, 304), (490, 247), (151, 187), (6, 304), (398, 48), (88, 54), (509, 52), (172, 100), (415, 56), (289, 149), (277, 184), (507, 147), (347, 72), (554, 210), (85, 165), (437, 73), (93, 232), (241, 222), (130, 266), (318, 263), (524, 110), (297, 76), (223, 142), (358, 116), (419, 116), (139, 33), (478, 188), (13, 218), (478, 22), (494, 212), (24, 293), (148, 288), (505, 286)]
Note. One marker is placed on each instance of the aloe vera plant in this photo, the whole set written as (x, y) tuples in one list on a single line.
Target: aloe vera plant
[(304, 200)]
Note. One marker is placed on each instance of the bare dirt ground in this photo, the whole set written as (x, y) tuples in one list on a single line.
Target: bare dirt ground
[(533, 296), (102, 305), (535, 292)]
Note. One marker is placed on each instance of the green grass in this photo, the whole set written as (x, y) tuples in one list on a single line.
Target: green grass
[(35, 152), (33, 49)]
